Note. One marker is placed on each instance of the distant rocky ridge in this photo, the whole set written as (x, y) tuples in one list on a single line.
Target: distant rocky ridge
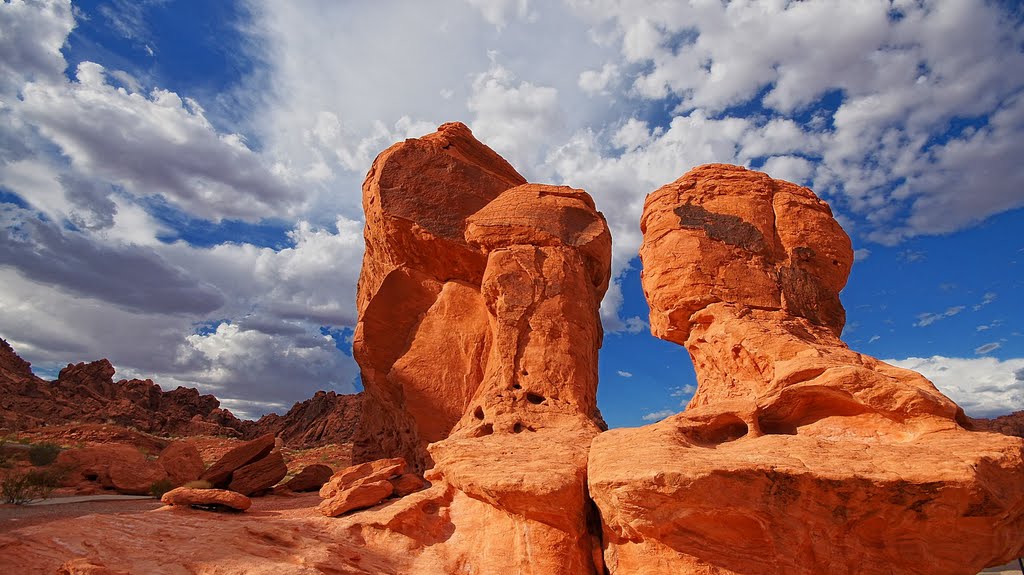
[(1012, 424), (87, 393)]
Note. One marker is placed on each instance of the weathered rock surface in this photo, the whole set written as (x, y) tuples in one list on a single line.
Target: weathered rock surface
[(324, 418), (1011, 424), (182, 462), (422, 337), (186, 497), (220, 473), (479, 334), (796, 455), (311, 478), (87, 393), (118, 467), (259, 475), (361, 486)]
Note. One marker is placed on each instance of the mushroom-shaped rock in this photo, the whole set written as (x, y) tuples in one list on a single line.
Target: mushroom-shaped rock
[(212, 498), (796, 455), (311, 478)]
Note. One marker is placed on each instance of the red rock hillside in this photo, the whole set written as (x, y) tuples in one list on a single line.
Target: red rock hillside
[(322, 419), (797, 455), (86, 393)]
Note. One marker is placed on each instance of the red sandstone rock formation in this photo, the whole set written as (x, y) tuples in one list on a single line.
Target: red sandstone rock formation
[(311, 478), (87, 393), (122, 468), (324, 418), (422, 338), (220, 473), (260, 475), (212, 498), (182, 462), (796, 455), (1012, 424), (478, 335)]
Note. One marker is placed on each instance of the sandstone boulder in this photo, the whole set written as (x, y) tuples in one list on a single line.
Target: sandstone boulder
[(118, 467), (407, 483), (259, 475), (311, 478), (182, 462), (796, 455), (212, 498), (219, 474)]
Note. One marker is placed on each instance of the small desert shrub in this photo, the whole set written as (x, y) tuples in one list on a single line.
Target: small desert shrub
[(43, 453), (21, 487), (199, 484), (160, 487)]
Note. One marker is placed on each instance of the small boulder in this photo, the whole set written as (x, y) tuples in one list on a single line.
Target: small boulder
[(370, 471), (182, 462), (407, 483), (311, 478), (120, 467), (214, 498), (359, 496), (259, 475), (219, 474)]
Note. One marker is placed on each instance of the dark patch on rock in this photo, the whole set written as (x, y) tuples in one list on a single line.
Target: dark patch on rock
[(722, 227)]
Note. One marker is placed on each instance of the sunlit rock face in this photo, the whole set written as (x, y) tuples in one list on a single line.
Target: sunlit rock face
[(478, 338), (796, 455)]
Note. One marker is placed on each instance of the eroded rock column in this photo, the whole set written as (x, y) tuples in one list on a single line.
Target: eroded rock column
[(483, 370)]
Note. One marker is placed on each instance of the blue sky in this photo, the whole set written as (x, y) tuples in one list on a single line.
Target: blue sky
[(179, 179)]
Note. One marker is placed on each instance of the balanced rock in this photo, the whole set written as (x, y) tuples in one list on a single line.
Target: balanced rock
[(259, 475), (311, 478), (213, 498), (219, 474), (797, 455), (182, 462)]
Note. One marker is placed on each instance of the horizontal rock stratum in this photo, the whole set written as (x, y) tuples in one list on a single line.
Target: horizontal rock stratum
[(796, 455)]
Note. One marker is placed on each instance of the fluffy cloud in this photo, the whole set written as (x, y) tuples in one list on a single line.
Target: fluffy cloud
[(163, 144), (928, 318), (984, 387), (658, 415)]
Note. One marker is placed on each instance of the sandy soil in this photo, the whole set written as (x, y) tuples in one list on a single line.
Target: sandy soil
[(18, 516)]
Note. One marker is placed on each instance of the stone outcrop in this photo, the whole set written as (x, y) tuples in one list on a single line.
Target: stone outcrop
[(87, 393), (122, 468), (1010, 424), (364, 485), (322, 419), (311, 478), (478, 335), (797, 455), (182, 462), (206, 498), (220, 473), (260, 475)]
